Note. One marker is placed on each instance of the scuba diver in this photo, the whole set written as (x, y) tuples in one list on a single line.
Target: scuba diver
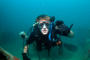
[(44, 34)]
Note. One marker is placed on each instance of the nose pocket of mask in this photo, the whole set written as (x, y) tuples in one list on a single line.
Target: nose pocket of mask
[(44, 26)]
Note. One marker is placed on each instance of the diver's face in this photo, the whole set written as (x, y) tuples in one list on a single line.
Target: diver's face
[(44, 26)]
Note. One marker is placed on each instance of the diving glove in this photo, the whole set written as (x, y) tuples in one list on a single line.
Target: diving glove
[(66, 31), (63, 30), (25, 56)]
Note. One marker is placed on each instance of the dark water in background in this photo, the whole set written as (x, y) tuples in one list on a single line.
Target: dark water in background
[(18, 15)]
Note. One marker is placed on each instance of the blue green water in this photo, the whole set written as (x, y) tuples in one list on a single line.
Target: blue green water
[(18, 15)]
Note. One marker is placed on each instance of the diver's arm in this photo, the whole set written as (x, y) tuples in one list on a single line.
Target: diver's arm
[(25, 48), (71, 34), (25, 37), (24, 54)]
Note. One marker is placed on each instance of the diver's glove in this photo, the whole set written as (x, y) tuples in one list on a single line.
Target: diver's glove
[(25, 56), (66, 32), (62, 28)]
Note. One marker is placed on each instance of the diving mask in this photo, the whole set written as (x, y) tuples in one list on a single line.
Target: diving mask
[(44, 23), (44, 26)]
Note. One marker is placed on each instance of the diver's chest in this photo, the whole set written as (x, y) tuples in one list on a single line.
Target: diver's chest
[(44, 40)]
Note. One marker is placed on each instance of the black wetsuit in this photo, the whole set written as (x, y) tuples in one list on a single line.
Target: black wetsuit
[(43, 40)]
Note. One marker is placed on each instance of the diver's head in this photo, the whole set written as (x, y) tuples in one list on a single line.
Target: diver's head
[(43, 24)]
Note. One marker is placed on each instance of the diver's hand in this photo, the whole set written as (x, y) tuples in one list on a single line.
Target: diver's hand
[(64, 30), (58, 43), (25, 56)]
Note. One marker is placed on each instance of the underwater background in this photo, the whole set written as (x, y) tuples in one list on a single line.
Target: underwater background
[(20, 15)]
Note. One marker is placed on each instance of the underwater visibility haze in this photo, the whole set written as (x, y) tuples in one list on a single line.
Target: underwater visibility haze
[(20, 15)]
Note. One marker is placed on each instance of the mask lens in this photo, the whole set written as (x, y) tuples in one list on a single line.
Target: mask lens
[(41, 23), (47, 24)]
